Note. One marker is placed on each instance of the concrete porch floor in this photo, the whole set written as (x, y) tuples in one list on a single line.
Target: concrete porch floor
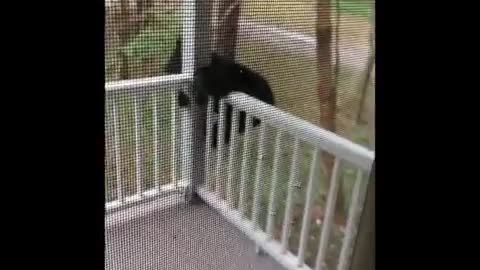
[(179, 236)]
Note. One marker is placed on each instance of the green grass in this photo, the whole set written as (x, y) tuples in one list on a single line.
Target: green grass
[(300, 15), (359, 8)]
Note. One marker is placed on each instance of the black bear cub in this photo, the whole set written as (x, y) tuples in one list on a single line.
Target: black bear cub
[(219, 79)]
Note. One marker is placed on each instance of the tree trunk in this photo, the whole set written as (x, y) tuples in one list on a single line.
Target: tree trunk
[(371, 122), (364, 86), (371, 105), (368, 74), (326, 86), (226, 27), (367, 103)]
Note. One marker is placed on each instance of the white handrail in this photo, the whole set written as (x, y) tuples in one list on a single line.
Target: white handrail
[(147, 83), (324, 139)]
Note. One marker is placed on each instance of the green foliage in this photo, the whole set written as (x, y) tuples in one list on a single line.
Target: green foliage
[(360, 8), (156, 41)]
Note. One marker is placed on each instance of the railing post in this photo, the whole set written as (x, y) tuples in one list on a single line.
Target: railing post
[(201, 56), (364, 249)]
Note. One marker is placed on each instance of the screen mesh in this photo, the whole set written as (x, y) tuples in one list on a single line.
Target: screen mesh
[(199, 176)]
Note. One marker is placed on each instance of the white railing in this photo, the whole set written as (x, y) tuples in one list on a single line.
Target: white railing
[(150, 98), (142, 158), (244, 208), (144, 161)]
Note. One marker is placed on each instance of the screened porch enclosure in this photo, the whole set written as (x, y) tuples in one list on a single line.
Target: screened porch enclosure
[(265, 200)]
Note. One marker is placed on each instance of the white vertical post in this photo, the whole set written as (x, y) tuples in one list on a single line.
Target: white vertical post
[(258, 178), (208, 148), (188, 66), (245, 164), (188, 57), (307, 213), (118, 165), (232, 157), (173, 137), (352, 223), (272, 207), (220, 146), (329, 215), (138, 163), (109, 147), (195, 56), (287, 221), (156, 155), (186, 140)]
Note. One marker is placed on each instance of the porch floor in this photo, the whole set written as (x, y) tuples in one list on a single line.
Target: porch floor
[(180, 236)]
